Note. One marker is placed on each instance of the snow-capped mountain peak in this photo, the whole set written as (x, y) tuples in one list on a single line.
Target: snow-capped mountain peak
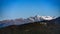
[(47, 17), (40, 18)]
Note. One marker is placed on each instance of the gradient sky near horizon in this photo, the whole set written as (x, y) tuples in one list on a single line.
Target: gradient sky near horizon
[(12, 9)]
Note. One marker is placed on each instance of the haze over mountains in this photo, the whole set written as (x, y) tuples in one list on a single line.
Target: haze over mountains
[(28, 20)]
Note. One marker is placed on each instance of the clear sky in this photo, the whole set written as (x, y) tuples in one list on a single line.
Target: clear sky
[(12, 9)]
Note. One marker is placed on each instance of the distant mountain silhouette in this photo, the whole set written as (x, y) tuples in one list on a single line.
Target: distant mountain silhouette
[(40, 27), (24, 21)]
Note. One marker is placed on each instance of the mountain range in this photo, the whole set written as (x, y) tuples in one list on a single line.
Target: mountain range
[(30, 20)]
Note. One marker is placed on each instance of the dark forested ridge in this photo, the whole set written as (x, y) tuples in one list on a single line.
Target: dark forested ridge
[(40, 27)]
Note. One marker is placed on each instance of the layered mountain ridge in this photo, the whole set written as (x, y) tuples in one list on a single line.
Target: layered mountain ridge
[(24, 21)]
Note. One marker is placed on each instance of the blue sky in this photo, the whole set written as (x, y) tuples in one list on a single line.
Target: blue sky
[(12, 9)]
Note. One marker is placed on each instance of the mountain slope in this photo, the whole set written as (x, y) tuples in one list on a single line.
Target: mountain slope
[(24, 21), (39, 27)]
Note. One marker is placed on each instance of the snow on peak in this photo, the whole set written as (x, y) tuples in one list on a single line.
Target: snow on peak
[(40, 18), (47, 17)]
